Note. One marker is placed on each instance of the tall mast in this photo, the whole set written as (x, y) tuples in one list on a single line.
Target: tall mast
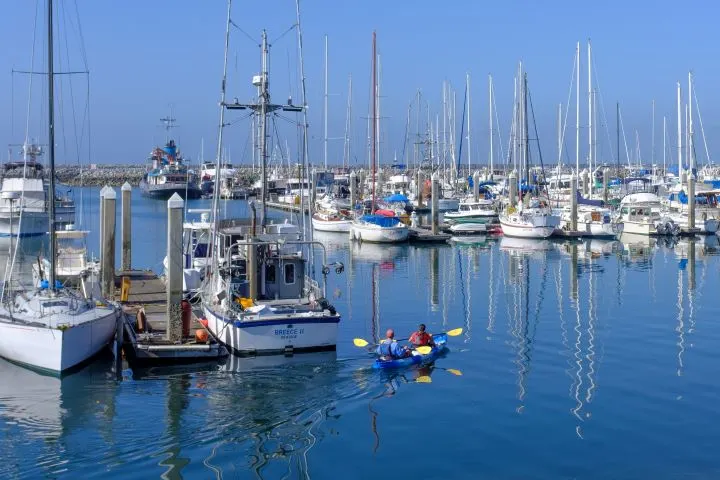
[(490, 108), (664, 148), (559, 135), (325, 108), (577, 109), (221, 126), (467, 81), (443, 153), (652, 149), (348, 125), (590, 112), (51, 144), (691, 157), (679, 131), (264, 100), (374, 118)]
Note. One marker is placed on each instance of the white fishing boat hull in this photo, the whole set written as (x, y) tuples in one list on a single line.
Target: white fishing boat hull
[(33, 224), (518, 225), (56, 350), (274, 333), (468, 228), (331, 225), (377, 234), (639, 228)]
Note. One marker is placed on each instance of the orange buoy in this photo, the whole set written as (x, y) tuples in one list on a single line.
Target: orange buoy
[(201, 336), (203, 322)]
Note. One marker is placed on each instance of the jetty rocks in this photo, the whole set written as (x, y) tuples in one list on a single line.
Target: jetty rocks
[(117, 175)]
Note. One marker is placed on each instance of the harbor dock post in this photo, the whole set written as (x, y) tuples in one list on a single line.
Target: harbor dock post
[(573, 204), (435, 192), (126, 191), (174, 280), (606, 183), (512, 188), (361, 185), (691, 201), (353, 191), (313, 188), (586, 182), (419, 188), (108, 238), (102, 222), (476, 186)]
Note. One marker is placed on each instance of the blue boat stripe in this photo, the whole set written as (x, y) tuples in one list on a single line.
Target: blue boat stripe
[(279, 321)]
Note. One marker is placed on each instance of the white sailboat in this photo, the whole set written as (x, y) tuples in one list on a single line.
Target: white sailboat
[(377, 228), (49, 327)]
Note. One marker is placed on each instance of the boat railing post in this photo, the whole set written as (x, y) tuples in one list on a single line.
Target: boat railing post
[(126, 192), (108, 238), (174, 280), (435, 192), (573, 204), (691, 200)]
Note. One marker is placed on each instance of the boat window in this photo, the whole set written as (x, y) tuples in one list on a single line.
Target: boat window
[(270, 273), (289, 273)]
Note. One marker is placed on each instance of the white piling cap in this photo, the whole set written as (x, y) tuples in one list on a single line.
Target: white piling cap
[(102, 191), (126, 187), (110, 193), (176, 201)]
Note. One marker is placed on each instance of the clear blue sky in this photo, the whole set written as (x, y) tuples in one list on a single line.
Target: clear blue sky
[(145, 55)]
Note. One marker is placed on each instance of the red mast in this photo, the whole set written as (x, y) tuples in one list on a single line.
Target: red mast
[(374, 119)]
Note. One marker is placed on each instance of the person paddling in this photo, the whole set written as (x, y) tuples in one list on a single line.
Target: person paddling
[(390, 349), (421, 337)]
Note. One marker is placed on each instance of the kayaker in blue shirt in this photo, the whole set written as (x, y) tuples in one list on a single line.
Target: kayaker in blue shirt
[(389, 349)]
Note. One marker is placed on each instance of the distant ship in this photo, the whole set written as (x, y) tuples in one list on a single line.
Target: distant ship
[(168, 175)]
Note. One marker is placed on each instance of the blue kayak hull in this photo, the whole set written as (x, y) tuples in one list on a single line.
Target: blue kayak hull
[(439, 348)]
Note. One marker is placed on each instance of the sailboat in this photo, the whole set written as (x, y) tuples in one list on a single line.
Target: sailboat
[(374, 227), (534, 219), (49, 327)]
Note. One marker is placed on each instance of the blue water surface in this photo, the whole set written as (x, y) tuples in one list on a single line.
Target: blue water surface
[(592, 359)]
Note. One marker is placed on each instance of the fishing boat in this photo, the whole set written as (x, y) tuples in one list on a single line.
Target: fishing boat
[(416, 358), (25, 179), (168, 174), (641, 214), (51, 327), (377, 228), (259, 298), (196, 253)]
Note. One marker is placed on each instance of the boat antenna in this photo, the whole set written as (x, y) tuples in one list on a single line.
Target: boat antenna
[(51, 145), (374, 116)]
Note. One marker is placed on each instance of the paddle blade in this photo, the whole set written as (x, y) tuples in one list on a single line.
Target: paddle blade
[(455, 332), (359, 342), (424, 350), (423, 379), (455, 372)]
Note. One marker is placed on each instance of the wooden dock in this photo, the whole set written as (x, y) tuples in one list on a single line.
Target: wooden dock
[(285, 207), (145, 341), (425, 235)]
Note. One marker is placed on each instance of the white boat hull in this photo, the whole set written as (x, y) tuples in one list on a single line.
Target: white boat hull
[(52, 349), (377, 234), (522, 226), (331, 225), (639, 228), (275, 334)]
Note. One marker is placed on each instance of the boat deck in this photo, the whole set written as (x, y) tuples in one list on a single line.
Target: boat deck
[(151, 346)]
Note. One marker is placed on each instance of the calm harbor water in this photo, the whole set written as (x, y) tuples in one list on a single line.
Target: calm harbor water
[(579, 360)]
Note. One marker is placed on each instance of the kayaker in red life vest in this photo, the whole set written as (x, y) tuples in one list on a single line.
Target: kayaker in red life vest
[(390, 349), (421, 337)]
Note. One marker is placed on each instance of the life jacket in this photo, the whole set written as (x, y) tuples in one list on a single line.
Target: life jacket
[(420, 338), (387, 350)]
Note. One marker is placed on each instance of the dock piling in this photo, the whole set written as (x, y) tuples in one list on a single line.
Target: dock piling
[(586, 182), (102, 221), (691, 201), (513, 188), (476, 186), (126, 191), (252, 269), (107, 266), (606, 182), (174, 280), (573, 204), (435, 192), (353, 190), (419, 188)]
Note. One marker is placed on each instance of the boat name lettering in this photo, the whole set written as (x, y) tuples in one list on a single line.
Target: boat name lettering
[(289, 332)]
